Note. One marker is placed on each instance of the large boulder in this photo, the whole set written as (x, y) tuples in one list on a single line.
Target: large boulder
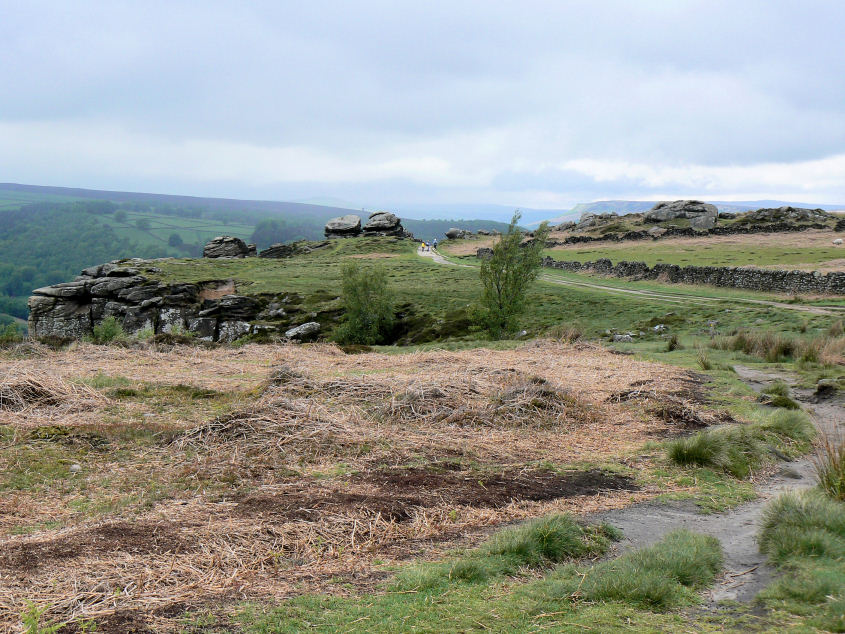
[(383, 223), (458, 234), (589, 220), (343, 227), (225, 247), (787, 214), (702, 216)]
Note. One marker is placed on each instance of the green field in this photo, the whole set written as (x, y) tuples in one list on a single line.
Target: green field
[(195, 231), (437, 290), (716, 254)]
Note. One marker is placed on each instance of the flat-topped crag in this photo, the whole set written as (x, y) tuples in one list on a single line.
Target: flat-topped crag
[(128, 291), (379, 223)]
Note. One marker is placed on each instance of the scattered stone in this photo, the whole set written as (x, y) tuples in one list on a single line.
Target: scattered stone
[(702, 216), (623, 338), (75, 468), (660, 328), (838, 241), (657, 231), (305, 332), (225, 247), (483, 232), (484, 253), (726, 215), (564, 226)]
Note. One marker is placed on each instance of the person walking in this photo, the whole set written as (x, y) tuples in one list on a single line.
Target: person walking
[(434, 244)]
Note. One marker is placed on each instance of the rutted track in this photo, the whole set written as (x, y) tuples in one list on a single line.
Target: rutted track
[(659, 296)]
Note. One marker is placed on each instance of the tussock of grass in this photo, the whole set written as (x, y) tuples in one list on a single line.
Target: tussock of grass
[(778, 388), (739, 450), (829, 463), (656, 578), (775, 347), (536, 544), (804, 534)]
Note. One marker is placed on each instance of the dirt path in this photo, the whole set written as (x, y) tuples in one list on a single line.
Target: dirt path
[(746, 571), (660, 296)]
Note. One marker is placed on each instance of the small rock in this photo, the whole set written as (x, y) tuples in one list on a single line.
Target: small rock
[(623, 338), (305, 332), (838, 241), (75, 468), (660, 328)]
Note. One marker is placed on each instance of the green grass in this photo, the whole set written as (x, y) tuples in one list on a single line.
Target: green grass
[(631, 593), (436, 290), (741, 449), (656, 578), (537, 543), (804, 535), (717, 254)]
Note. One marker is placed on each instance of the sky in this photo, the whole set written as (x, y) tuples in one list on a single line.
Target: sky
[(520, 103)]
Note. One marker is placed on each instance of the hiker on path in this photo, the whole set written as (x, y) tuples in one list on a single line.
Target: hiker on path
[(435, 243)]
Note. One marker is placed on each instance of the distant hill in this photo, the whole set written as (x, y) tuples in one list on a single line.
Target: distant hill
[(47, 234)]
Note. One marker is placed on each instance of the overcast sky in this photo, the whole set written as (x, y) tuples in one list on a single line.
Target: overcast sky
[(536, 104)]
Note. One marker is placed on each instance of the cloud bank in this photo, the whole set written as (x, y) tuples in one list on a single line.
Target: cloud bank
[(525, 104)]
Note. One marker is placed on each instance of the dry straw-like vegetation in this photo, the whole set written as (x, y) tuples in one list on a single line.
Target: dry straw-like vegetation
[(313, 465)]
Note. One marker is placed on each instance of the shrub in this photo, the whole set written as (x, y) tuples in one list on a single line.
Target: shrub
[(107, 331), (368, 303), (506, 276), (10, 334), (837, 329)]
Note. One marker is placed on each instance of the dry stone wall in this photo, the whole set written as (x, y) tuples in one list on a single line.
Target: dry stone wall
[(726, 276)]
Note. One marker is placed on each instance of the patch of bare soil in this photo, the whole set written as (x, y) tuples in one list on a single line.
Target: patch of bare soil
[(131, 538), (496, 490)]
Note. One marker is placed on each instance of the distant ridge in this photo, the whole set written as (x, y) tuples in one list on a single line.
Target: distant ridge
[(622, 207), (234, 204)]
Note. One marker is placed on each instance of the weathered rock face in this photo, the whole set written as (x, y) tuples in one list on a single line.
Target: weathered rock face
[(484, 253), (227, 247), (127, 291), (343, 226), (702, 216), (787, 214), (383, 223), (564, 226), (590, 220), (280, 251)]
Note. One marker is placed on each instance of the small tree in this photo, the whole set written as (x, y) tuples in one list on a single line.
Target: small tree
[(175, 240), (368, 303), (506, 276), (143, 224)]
